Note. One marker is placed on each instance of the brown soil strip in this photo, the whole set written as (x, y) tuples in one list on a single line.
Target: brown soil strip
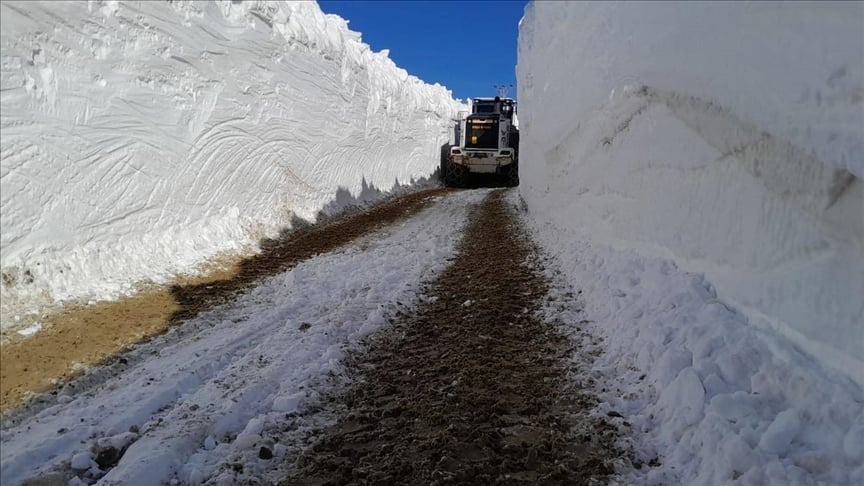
[(469, 388), (81, 336)]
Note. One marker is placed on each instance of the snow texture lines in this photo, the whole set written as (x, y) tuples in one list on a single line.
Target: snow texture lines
[(666, 158), (183, 130)]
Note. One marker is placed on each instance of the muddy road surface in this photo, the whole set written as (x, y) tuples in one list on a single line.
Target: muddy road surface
[(399, 345), (468, 388)]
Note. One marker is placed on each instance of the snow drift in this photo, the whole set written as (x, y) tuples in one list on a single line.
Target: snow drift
[(141, 138), (726, 137), (696, 170)]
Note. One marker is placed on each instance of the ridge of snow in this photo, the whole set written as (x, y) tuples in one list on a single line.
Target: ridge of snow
[(141, 138), (696, 172)]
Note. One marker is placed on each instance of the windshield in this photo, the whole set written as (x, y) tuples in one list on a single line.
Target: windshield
[(487, 107), (504, 107)]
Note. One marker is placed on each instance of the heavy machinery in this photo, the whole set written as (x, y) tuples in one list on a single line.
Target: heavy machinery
[(487, 142)]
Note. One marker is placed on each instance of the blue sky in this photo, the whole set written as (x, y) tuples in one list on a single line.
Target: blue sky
[(468, 46)]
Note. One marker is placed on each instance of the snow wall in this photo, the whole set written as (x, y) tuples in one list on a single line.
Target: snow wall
[(140, 138), (724, 136)]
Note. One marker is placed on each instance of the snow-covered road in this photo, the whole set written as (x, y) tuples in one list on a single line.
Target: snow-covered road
[(696, 188), (207, 393)]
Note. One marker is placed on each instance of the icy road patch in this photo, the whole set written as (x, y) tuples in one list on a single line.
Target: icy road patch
[(214, 390)]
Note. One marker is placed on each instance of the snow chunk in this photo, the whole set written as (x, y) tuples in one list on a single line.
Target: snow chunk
[(210, 443), (288, 403), (30, 330), (683, 400), (781, 432), (82, 461)]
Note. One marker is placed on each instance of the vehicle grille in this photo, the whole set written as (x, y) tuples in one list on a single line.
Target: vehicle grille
[(481, 133)]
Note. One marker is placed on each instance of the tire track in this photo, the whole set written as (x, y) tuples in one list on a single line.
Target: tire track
[(470, 388)]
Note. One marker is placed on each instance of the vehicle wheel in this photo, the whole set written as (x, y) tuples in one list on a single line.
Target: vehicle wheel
[(511, 174), (455, 175), (514, 141), (445, 162)]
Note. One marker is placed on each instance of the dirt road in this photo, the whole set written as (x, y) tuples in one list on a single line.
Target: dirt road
[(468, 388)]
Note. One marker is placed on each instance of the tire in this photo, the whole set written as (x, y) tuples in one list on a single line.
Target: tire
[(451, 175), (513, 141), (511, 174), (445, 162), (455, 175)]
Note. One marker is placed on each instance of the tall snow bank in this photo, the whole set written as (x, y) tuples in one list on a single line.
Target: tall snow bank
[(140, 138), (725, 136)]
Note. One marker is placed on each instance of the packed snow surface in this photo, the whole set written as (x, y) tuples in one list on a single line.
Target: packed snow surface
[(715, 399), (140, 138), (216, 389), (696, 171), (724, 136)]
